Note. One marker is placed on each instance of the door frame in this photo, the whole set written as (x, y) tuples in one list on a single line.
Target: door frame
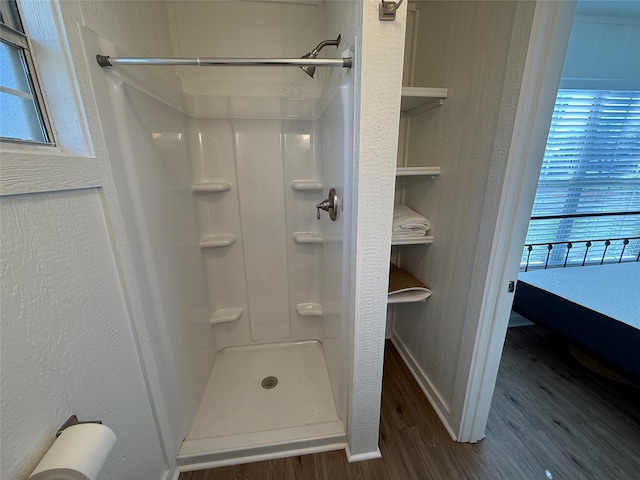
[(543, 68)]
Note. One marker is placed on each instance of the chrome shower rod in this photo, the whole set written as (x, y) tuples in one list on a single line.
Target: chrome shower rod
[(106, 61)]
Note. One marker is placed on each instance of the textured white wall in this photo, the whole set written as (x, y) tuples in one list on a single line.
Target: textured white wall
[(379, 60), (477, 50), (74, 350), (66, 344)]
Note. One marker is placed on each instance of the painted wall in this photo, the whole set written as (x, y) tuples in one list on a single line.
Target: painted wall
[(66, 344), (602, 52), (379, 68), (477, 51)]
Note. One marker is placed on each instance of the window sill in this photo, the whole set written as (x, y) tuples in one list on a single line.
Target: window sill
[(43, 168)]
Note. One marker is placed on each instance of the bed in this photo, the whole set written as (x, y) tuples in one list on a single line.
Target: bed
[(596, 307)]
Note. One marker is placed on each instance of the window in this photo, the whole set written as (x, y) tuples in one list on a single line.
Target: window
[(22, 116), (589, 187)]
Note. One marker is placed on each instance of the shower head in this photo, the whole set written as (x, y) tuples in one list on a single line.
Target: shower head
[(310, 69)]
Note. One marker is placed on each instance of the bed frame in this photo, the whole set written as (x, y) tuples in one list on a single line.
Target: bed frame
[(613, 342)]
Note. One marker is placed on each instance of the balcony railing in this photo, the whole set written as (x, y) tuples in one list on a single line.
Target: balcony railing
[(580, 253)]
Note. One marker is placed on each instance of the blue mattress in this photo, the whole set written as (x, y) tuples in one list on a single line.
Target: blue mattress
[(597, 307)]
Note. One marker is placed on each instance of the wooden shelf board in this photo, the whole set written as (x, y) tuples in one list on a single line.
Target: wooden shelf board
[(417, 171), (423, 240), (414, 97)]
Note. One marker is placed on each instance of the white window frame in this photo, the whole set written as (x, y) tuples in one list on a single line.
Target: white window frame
[(20, 40), (70, 163)]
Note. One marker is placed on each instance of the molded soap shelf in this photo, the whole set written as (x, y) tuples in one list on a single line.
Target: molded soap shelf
[(217, 241), (225, 315), (211, 187), (306, 185), (309, 309), (307, 237)]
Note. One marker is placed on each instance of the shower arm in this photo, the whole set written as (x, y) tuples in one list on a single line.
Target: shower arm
[(325, 43)]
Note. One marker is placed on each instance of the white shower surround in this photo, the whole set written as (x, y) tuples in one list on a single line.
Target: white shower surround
[(165, 236), (266, 273), (150, 169)]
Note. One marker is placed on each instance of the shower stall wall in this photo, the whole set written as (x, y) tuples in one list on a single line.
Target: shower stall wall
[(275, 277), (145, 139), (259, 235), (238, 280)]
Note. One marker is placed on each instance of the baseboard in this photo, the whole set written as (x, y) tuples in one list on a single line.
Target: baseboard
[(171, 474), (438, 404), (361, 457)]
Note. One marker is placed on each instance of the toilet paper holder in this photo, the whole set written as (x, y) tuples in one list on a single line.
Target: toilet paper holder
[(73, 420)]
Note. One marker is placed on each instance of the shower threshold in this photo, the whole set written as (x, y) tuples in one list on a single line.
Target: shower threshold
[(262, 402)]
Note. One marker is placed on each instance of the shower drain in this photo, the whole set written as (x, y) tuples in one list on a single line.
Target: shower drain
[(269, 382)]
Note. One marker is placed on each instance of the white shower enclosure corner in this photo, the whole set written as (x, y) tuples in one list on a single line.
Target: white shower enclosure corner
[(244, 291)]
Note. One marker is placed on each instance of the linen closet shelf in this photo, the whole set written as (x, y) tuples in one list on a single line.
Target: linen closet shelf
[(415, 100)]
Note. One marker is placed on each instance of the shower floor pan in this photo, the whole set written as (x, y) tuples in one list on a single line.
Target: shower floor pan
[(239, 420)]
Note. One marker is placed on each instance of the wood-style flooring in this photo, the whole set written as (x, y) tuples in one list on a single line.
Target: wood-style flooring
[(550, 419)]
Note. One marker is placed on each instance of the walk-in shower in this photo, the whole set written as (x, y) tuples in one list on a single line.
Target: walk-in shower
[(244, 289)]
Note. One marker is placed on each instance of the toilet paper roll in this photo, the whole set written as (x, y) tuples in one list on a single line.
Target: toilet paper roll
[(78, 453)]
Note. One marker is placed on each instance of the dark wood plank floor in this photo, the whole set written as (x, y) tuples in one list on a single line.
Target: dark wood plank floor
[(550, 419)]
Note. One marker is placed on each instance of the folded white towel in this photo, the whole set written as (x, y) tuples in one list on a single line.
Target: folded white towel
[(407, 223)]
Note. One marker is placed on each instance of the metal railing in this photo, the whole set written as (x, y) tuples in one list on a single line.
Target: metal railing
[(580, 253)]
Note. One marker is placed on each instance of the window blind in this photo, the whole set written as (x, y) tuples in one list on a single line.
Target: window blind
[(589, 186)]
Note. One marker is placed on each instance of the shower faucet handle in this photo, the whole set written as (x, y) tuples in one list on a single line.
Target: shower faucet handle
[(324, 205), (330, 204)]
